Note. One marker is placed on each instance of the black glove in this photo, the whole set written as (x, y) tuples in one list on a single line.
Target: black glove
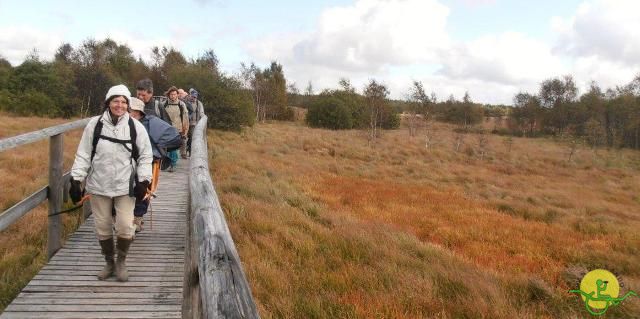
[(75, 191), (141, 190)]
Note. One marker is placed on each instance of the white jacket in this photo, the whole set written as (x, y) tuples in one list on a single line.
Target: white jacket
[(109, 174)]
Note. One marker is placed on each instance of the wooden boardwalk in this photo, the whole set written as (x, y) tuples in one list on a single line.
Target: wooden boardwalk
[(67, 287)]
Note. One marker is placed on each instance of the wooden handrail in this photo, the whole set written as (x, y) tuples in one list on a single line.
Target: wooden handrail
[(26, 138), (12, 214), (223, 288), (55, 189)]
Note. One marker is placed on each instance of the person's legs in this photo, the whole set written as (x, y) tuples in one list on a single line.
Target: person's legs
[(183, 148), (190, 135), (124, 215), (124, 231), (174, 159), (101, 209), (140, 209)]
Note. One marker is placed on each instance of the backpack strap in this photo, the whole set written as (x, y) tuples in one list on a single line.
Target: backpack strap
[(97, 135), (135, 153), (181, 111)]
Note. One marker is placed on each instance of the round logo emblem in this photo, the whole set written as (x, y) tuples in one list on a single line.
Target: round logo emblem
[(600, 284)]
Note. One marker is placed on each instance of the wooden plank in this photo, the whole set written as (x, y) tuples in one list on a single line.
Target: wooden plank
[(106, 283), (98, 295), (100, 301), (131, 268), (26, 138), (89, 315), (134, 273), (141, 255), (101, 263), (71, 253), (83, 308), (111, 289), (135, 258), (88, 277)]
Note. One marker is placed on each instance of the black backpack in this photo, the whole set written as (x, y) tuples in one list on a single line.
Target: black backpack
[(97, 135)]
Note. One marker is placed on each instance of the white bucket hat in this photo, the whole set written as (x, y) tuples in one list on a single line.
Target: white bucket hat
[(117, 90), (136, 104)]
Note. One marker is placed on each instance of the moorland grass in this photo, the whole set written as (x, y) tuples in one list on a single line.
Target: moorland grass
[(330, 227)]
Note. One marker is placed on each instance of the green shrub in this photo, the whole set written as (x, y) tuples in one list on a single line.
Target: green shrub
[(329, 112)]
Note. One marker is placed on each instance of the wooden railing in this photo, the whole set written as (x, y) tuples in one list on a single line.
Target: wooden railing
[(215, 284), (54, 192)]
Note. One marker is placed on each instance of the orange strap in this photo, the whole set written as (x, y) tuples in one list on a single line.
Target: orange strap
[(156, 176), (154, 180)]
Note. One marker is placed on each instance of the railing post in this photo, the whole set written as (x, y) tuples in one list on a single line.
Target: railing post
[(56, 185)]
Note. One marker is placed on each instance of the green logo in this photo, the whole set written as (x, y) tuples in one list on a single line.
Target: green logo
[(599, 290)]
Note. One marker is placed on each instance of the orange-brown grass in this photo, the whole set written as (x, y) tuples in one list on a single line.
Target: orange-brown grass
[(24, 170), (330, 227)]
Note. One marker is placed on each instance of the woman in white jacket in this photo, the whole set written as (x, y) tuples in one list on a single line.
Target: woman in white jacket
[(114, 160)]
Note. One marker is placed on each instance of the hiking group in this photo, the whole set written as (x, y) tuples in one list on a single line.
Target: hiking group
[(119, 159)]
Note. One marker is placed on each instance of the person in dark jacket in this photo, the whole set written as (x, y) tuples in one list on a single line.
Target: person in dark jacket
[(162, 136), (144, 92), (195, 116)]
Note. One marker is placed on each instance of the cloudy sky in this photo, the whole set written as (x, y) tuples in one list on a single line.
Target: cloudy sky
[(490, 48)]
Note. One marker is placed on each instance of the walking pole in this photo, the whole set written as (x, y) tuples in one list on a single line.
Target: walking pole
[(151, 218)]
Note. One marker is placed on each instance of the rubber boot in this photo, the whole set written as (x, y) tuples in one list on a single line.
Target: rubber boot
[(138, 222), (121, 268), (107, 251)]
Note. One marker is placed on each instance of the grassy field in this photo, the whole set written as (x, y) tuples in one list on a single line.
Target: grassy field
[(23, 170), (330, 227)]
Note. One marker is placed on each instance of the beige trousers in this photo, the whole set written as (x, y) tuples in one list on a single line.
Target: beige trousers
[(101, 207)]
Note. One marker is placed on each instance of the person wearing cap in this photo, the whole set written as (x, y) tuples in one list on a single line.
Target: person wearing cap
[(196, 115), (116, 169), (162, 136), (179, 116)]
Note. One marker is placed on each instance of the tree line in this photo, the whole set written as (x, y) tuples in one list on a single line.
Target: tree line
[(75, 81), (600, 117)]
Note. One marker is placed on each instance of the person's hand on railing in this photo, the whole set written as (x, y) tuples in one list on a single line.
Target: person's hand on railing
[(75, 191)]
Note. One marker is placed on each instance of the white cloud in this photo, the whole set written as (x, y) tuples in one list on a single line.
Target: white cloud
[(18, 41), (601, 42), (477, 3), (366, 36), (373, 38), (509, 58), (609, 30)]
